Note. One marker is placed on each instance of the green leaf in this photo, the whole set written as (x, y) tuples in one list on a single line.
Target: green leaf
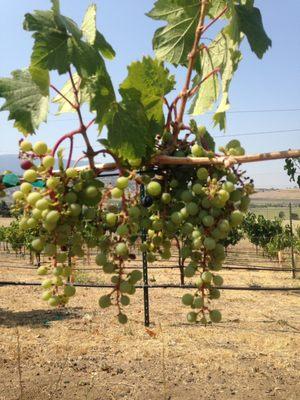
[(104, 47), (26, 104), (68, 92), (222, 53), (232, 62), (88, 26), (250, 23), (215, 7), (174, 42), (101, 93), (152, 82), (128, 129), (59, 42)]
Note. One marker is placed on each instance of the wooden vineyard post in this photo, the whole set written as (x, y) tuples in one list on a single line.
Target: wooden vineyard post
[(145, 272), (292, 243)]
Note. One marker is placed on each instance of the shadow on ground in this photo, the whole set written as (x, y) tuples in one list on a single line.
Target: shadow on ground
[(37, 318)]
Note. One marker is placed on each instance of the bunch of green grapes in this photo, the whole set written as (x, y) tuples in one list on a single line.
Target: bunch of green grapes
[(58, 213)]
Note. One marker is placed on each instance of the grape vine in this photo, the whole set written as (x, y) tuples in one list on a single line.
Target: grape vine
[(74, 208)]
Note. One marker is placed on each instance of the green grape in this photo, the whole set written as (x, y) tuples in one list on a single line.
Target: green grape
[(154, 189), (197, 243), (218, 280), (245, 201), (216, 233), (215, 316), (174, 183), (189, 271), (186, 196), (122, 318), (122, 183), (157, 225), (206, 203), (122, 250), (26, 188), (191, 317), (208, 221), (236, 195), (202, 174), (187, 299), (40, 148), (42, 270), (166, 198), (209, 243), (134, 212), (176, 218), (18, 195), (47, 284), (223, 195), (46, 295), (228, 186), (54, 301), (31, 223), (197, 151), (111, 219), (38, 245), (30, 175), (125, 300), (125, 287), (192, 208), (57, 281), (75, 209), (71, 173), (185, 252), (52, 217), (224, 225), (187, 228), (52, 182), (91, 192), (206, 277), (116, 193), (108, 268), (236, 218), (48, 162), (42, 204), (197, 188), (69, 291), (57, 271), (25, 146), (23, 223), (198, 302), (70, 198)]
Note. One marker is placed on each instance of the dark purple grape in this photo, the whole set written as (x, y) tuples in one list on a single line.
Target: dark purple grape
[(147, 201)]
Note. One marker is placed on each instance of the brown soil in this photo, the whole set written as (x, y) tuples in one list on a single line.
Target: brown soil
[(82, 353)]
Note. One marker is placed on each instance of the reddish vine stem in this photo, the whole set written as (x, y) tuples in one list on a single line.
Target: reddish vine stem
[(193, 91), (70, 152)]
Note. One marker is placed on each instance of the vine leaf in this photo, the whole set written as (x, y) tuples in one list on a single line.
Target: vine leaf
[(222, 53), (26, 104), (215, 7), (128, 128), (152, 82), (68, 92), (59, 42), (88, 26), (250, 22), (174, 41)]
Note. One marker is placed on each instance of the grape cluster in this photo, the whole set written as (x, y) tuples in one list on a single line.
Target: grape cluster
[(74, 211)]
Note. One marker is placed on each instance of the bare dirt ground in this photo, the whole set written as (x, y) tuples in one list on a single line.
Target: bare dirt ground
[(82, 353), (270, 195)]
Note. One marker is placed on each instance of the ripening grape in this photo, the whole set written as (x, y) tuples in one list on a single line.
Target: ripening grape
[(111, 219), (104, 301), (40, 148), (121, 249), (48, 162), (52, 182), (52, 217), (18, 195), (187, 299), (215, 316), (26, 164), (166, 198), (30, 175), (116, 193), (71, 173), (25, 146), (122, 182), (202, 174), (191, 317), (42, 204), (31, 223), (154, 189), (69, 291)]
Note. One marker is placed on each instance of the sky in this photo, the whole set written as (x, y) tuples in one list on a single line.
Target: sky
[(264, 94)]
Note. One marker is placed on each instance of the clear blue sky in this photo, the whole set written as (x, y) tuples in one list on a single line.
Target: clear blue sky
[(273, 83)]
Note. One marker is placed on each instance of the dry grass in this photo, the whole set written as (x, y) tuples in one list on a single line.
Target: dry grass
[(82, 353)]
